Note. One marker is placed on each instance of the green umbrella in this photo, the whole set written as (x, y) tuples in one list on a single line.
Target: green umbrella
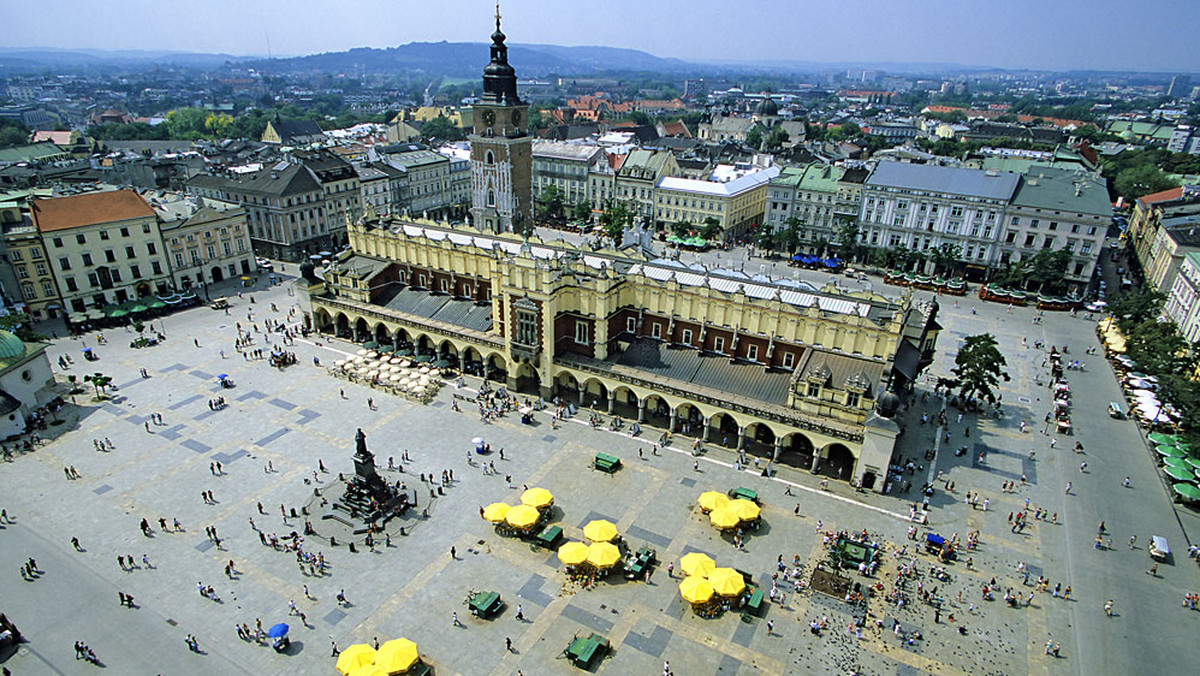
[(441, 364), (154, 303), (1188, 491), (1194, 463), (421, 359), (1160, 438), (116, 313), (1179, 473), (1170, 451), (138, 308), (1172, 461)]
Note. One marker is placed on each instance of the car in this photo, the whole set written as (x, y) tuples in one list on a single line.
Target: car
[(264, 264), (1097, 306)]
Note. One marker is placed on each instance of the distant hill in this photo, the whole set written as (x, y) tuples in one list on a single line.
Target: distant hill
[(33, 58), (465, 59)]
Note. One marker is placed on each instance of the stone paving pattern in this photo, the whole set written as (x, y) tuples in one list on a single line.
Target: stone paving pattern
[(295, 417)]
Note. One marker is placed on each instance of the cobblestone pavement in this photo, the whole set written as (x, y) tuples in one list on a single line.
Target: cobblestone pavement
[(293, 418)]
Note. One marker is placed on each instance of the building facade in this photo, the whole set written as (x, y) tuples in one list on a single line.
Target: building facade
[(564, 166), (922, 207), (1058, 209), (736, 205), (636, 181), (206, 240), (1183, 300), (104, 248), (36, 289)]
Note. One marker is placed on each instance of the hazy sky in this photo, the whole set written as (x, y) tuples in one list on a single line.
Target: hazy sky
[(1050, 34)]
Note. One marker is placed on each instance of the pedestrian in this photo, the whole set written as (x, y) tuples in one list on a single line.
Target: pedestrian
[(508, 644), (520, 617), (453, 552), (455, 622)]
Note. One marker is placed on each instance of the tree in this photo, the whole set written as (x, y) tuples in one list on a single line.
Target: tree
[(1049, 268), (98, 381), (789, 237), (442, 128), (754, 137), (582, 210), (1141, 180), (18, 323), (711, 229), (615, 219), (979, 367), (1158, 348), (550, 202), (945, 257), (846, 235), (1135, 307), (777, 138), (681, 229)]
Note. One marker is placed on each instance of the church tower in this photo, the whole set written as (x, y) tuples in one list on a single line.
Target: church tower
[(501, 151)]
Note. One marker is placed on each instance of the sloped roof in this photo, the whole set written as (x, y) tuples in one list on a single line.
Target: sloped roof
[(464, 313), (691, 366), (841, 370), (949, 180), (291, 130), (1048, 188), (61, 213)]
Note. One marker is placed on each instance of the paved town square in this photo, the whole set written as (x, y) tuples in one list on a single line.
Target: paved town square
[(280, 426)]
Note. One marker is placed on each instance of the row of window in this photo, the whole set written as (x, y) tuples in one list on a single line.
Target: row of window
[(110, 256)]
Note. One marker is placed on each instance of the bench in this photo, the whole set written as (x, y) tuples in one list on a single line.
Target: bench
[(744, 494), (754, 603), (606, 463), (582, 650), (485, 604)]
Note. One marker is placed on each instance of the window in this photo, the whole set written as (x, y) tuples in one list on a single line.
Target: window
[(47, 288), (687, 336), (1053, 225), (135, 272), (789, 360), (28, 291), (1092, 230), (150, 247), (1085, 248), (719, 344), (78, 306), (41, 269), (1011, 237), (116, 275), (631, 324), (110, 256), (87, 259), (146, 228), (178, 259), (1029, 240), (104, 234), (852, 399), (154, 265), (526, 328), (581, 332), (16, 255), (80, 239), (124, 232), (57, 242), (22, 272), (656, 330), (35, 253), (814, 390), (129, 253), (71, 285), (93, 279), (752, 353), (491, 198)]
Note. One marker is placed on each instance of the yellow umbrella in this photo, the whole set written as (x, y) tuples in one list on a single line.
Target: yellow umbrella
[(603, 555), (600, 530), (695, 589), (697, 563), (397, 656), (727, 581), (370, 670), (573, 553), (744, 509), (537, 497), (710, 500), (495, 512), (355, 656), (522, 516), (723, 518)]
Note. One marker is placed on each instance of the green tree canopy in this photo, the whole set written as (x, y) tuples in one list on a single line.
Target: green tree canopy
[(1136, 306), (441, 127), (754, 137), (582, 210), (550, 202), (1140, 180), (979, 367)]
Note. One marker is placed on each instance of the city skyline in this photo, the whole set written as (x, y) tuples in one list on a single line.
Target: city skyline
[(1018, 34)]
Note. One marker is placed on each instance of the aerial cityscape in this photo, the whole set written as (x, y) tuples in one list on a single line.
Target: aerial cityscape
[(530, 338)]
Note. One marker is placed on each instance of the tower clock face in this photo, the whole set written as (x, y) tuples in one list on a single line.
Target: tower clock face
[(516, 117), (489, 118)]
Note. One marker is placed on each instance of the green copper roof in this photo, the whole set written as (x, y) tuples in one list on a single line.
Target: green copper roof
[(11, 346)]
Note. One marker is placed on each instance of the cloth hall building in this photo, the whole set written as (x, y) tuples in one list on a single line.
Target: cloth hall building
[(782, 370)]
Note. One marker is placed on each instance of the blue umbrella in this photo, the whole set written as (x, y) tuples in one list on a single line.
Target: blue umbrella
[(797, 257), (223, 376), (278, 630)]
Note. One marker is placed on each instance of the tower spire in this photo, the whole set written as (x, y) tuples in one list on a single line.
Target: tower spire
[(497, 14)]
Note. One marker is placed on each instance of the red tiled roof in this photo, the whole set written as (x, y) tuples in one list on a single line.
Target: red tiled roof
[(1163, 196), (61, 213)]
